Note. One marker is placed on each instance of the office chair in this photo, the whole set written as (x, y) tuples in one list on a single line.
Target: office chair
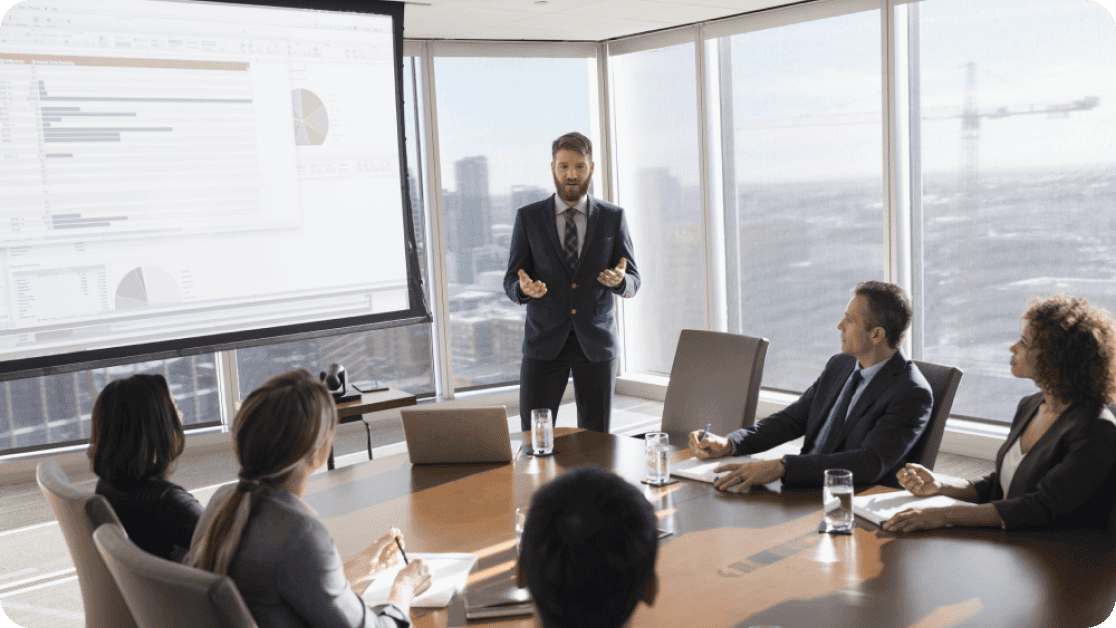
[(79, 513), (943, 382), (715, 378), (166, 594)]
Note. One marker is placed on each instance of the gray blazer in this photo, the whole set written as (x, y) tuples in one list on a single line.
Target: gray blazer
[(288, 571)]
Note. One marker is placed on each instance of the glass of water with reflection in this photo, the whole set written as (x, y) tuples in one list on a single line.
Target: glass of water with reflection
[(542, 431), (837, 494), (657, 445)]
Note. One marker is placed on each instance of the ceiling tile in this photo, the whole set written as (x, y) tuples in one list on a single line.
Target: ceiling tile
[(536, 6), (741, 6), (689, 13), (512, 31), (556, 22), (619, 9), (607, 29)]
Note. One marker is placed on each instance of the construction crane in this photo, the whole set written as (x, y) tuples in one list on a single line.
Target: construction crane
[(969, 113)]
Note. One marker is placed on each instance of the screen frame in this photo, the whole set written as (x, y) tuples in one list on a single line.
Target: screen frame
[(417, 312)]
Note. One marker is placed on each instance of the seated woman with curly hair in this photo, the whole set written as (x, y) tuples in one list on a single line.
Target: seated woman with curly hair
[(1053, 470)]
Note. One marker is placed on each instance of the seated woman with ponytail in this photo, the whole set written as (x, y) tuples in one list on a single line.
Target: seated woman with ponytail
[(262, 535)]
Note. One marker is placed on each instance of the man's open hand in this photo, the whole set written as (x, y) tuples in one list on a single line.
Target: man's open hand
[(533, 289), (612, 277)]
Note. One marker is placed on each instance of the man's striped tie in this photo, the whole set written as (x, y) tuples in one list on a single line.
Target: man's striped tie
[(569, 243)]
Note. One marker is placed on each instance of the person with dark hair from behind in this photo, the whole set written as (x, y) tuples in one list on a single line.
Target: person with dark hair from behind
[(261, 534), (864, 413), (136, 436), (1055, 468), (588, 550)]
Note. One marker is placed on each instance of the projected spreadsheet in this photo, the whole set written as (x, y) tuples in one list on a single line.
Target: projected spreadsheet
[(171, 170)]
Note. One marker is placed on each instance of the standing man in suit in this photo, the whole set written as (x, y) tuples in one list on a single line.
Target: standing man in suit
[(569, 254), (864, 413)]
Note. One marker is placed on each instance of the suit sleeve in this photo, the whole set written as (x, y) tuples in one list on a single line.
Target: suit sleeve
[(623, 249), (889, 440), (785, 425), (519, 258), (1069, 483)]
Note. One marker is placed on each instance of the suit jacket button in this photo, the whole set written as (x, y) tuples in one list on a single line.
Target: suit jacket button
[(573, 311), (575, 286)]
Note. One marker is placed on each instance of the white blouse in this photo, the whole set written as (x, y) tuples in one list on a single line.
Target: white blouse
[(1012, 459)]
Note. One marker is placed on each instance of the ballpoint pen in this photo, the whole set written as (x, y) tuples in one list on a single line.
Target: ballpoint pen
[(705, 431), (405, 561)]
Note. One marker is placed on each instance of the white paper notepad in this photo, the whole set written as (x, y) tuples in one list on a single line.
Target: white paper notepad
[(702, 470), (883, 506), (448, 575)]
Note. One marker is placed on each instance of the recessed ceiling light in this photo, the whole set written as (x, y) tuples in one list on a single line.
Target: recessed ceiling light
[(540, 1)]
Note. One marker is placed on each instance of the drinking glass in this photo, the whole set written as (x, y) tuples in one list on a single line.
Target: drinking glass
[(657, 445), (520, 521), (837, 494), (542, 431)]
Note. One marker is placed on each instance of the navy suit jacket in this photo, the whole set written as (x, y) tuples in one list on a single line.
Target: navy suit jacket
[(879, 432), (574, 298), (1066, 479)]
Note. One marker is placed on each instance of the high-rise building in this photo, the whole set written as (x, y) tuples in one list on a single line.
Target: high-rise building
[(472, 213)]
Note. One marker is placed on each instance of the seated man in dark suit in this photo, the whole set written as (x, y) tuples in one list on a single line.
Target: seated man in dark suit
[(864, 413), (588, 550)]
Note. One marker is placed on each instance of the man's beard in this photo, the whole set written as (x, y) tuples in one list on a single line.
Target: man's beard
[(574, 194)]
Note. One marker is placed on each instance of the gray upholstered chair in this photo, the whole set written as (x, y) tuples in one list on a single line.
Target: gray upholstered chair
[(166, 594), (79, 513), (715, 378), (943, 382)]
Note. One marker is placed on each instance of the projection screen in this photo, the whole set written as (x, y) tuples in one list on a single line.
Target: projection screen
[(185, 176)]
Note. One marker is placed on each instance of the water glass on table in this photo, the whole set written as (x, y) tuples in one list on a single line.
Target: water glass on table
[(542, 431), (657, 446), (520, 521), (837, 494)]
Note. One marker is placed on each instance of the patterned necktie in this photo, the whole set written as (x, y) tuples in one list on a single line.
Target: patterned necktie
[(827, 441), (569, 243)]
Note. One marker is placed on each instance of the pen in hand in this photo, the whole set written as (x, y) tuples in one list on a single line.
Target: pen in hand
[(705, 431), (405, 561)]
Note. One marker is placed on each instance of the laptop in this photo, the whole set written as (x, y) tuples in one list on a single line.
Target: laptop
[(456, 435)]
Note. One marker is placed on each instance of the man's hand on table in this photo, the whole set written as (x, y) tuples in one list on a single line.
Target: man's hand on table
[(745, 475)]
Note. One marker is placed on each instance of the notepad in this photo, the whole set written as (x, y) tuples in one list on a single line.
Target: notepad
[(702, 470), (448, 575), (883, 506)]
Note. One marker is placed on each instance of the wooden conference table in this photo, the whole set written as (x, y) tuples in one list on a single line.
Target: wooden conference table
[(733, 561)]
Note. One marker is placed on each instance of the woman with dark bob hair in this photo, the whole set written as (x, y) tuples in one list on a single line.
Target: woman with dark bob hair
[(1053, 470), (137, 435), (262, 535)]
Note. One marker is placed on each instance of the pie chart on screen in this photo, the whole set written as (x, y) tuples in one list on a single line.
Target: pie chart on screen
[(311, 120), (146, 286)]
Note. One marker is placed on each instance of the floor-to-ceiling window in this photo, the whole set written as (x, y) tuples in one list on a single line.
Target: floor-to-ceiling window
[(1018, 194), (801, 120), (655, 118), (498, 111)]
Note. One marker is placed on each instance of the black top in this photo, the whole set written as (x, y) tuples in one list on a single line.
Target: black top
[(159, 516), (1064, 481)]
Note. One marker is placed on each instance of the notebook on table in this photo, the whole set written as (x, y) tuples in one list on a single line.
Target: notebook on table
[(702, 470), (880, 507), (448, 574)]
